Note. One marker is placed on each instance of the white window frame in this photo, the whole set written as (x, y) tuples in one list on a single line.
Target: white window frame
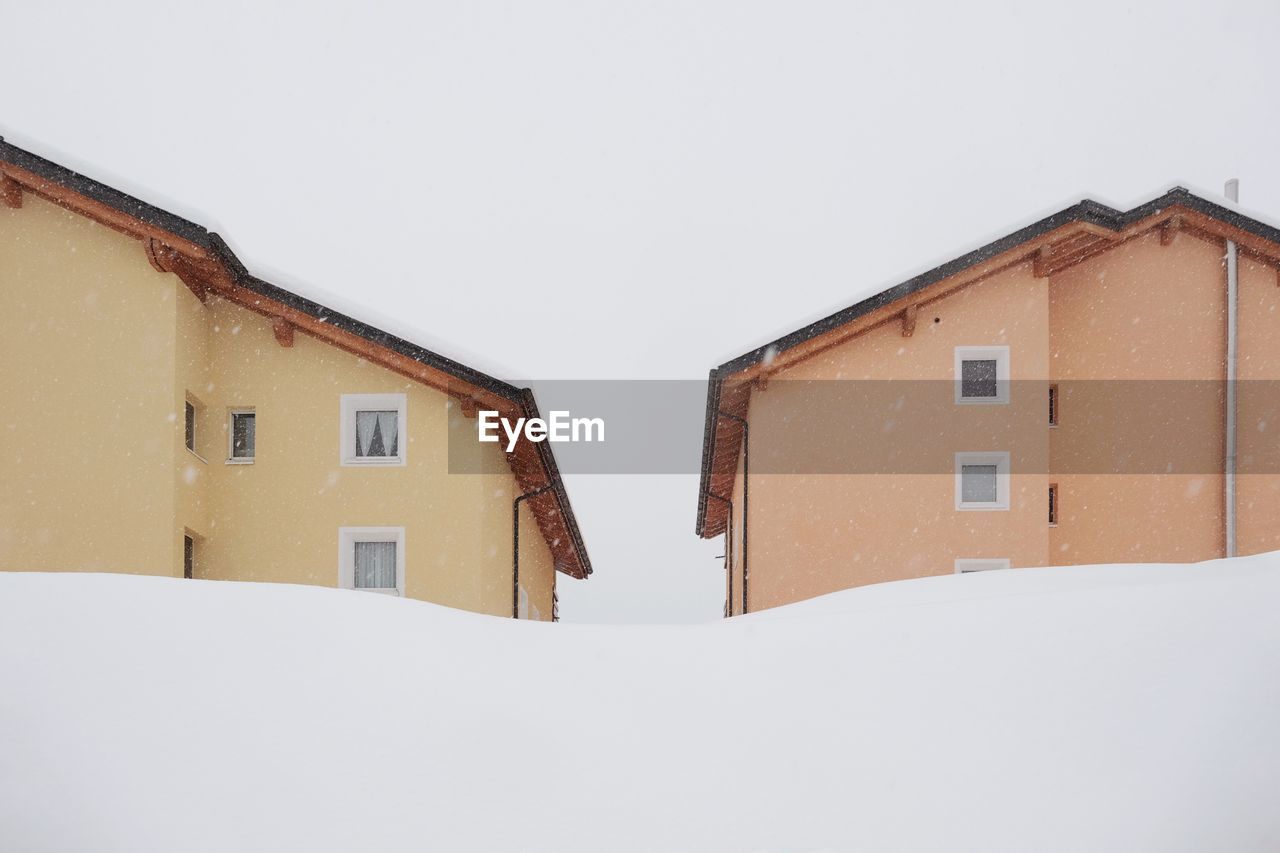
[(980, 564), (352, 403), (999, 354), (347, 539), (232, 459), (1001, 461)]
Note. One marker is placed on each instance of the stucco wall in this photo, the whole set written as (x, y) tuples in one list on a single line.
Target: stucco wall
[(1137, 315), (814, 532), (1150, 318), (282, 513), (1258, 436), (87, 332), (101, 352)]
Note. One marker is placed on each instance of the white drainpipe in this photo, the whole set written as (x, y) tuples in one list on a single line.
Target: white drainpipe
[(1233, 300)]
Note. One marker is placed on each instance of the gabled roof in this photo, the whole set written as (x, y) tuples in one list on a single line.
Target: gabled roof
[(1056, 242), (208, 266)]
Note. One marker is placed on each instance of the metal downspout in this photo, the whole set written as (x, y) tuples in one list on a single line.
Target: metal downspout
[(746, 499), (1233, 355), (515, 548)]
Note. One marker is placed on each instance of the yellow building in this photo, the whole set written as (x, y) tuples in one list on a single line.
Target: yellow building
[(1098, 387), (167, 412)]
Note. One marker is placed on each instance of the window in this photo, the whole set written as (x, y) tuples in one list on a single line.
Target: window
[(982, 481), (982, 374), (242, 436), (373, 429), (1053, 405), (371, 559), (1053, 504), (191, 426), (188, 557), (964, 567)]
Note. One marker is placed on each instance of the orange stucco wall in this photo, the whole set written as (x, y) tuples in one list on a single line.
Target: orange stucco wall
[(813, 533), (1141, 311), (1154, 313)]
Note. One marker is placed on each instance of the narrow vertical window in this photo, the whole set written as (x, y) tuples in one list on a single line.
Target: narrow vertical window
[(191, 426), (188, 557), (1053, 405), (1053, 504), (243, 436)]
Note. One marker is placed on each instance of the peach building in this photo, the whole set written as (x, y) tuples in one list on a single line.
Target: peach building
[(168, 412), (1059, 396)]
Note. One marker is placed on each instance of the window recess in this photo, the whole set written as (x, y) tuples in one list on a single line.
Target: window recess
[(982, 375)]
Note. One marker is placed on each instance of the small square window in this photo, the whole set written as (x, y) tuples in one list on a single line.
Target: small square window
[(375, 565), (978, 378), (371, 559), (965, 566), (982, 374), (377, 434), (373, 429), (982, 481), (978, 483), (244, 436)]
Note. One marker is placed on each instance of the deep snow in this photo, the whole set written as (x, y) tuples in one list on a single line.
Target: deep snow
[(1123, 708)]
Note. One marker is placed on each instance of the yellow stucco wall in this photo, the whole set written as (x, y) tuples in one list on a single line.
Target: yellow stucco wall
[(102, 351), (87, 334)]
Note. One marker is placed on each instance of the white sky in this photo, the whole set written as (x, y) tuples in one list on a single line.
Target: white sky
[(636, 190)]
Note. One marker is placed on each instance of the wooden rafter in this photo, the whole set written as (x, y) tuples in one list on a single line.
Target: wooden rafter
[(1055, 257), (909, 319), (283, 330), (10, 191)]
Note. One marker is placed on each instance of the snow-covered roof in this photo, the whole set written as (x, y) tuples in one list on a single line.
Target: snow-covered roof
[(1055, 242), (206, 263)]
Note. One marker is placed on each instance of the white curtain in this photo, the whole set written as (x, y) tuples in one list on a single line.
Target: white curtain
[(375, 565), (377, 433)]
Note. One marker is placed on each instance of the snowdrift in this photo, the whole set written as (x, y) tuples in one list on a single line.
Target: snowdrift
[(1124, 708)]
